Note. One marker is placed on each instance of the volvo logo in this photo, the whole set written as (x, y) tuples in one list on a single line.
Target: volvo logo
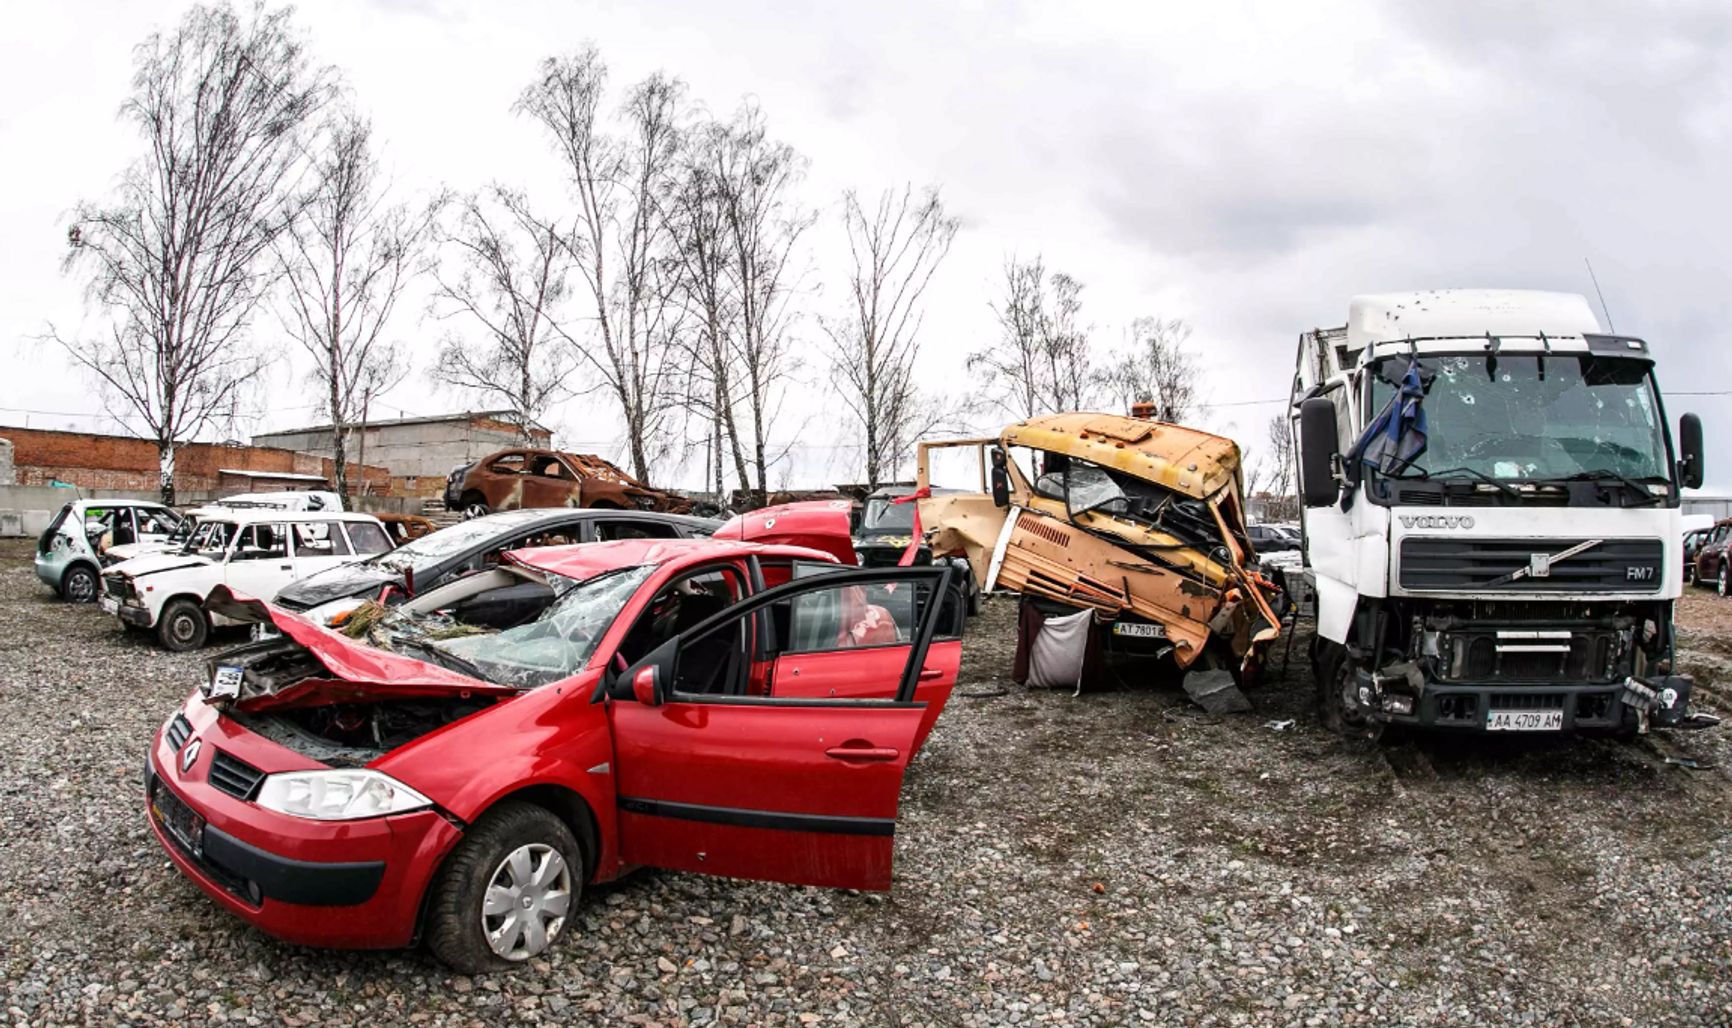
[(1437, 521), (188, 755)]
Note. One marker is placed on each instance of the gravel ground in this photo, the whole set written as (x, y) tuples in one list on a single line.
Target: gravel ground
[(1110, 859)]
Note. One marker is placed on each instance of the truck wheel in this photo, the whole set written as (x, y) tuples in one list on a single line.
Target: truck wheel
[(182, 626), (1336, 702), (78, 585), (507, 891)]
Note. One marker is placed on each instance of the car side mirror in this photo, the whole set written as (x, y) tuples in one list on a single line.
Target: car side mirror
[(646, 685), (1319, 443), (1000, 479), (1690, 469)]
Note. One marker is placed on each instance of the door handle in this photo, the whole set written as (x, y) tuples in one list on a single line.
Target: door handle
[(285, 567), (863, 754), (927, 674)]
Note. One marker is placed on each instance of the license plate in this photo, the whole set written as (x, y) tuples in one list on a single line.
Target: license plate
[(226, 682), (110, 605), (178, 819), (1138, 630), (1524, 721)]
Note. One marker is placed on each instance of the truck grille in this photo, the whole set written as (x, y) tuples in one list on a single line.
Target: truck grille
[(1453, 565), (234, 776)]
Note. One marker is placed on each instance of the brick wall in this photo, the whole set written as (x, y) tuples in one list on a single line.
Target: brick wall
[(100, 462)]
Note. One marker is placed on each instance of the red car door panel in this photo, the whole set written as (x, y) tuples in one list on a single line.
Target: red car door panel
[(772, 791), (872, 673), (800, 786)]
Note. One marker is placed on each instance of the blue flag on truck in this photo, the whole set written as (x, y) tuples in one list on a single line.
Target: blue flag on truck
[(1396, 438)]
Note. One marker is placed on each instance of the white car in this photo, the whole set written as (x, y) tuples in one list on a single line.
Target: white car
[(253, 552)]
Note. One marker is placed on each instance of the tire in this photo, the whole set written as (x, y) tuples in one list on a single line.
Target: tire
[(1720, 583), (474, 506), (1339, 715), (1689, 574), (79, 584), (509, 846), (182, 626)]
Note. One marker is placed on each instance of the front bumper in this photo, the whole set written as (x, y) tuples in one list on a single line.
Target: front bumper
[(1595, 707), (346, 884), (132, 615)]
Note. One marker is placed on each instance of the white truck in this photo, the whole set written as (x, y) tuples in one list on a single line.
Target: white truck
[(1491, 516)]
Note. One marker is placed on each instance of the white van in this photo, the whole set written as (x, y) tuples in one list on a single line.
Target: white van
[(253, 552)]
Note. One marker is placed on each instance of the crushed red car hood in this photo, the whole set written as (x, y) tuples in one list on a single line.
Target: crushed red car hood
[(813, 524), (350, 660)]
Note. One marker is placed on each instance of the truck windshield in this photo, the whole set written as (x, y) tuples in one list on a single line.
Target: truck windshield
[(1530, 417)]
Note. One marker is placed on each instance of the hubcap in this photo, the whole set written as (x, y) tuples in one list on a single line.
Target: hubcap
[(183, 628), (526, 901), (81, 587), (475, 510)]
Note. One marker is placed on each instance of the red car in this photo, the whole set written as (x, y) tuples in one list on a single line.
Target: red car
[(721, 706)]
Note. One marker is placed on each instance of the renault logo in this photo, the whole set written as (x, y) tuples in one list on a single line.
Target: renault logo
[(188, 755)]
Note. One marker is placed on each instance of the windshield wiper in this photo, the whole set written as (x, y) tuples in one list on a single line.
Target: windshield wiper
[(1449, 473), (1649, 497), (442, 657)]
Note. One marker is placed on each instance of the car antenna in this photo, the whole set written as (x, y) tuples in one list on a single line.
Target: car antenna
[(1603, 309)]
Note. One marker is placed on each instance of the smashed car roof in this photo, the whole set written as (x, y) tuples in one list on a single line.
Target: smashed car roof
[(1184, 460)]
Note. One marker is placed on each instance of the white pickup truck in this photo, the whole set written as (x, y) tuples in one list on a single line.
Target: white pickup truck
[(253, 552), (1491, 516)]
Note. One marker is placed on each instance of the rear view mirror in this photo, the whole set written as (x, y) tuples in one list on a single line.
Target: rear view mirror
[(646, 685), (1690, 469), (1000, 479), (1318, 445)]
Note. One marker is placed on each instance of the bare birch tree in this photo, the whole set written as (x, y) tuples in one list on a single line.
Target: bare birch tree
[(698, 220), (1156, 368), (179, 259), (619, 238), (507, 271), (895, 249), (1042, 361), (346, 262), (764, 223)]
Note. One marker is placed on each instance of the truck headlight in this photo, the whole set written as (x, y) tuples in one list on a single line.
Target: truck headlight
[(338, 794)]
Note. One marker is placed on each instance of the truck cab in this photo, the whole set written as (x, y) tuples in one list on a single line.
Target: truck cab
[(1491, 516)]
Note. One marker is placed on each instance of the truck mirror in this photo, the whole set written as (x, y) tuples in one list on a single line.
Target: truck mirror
[(1000, 479), (1690, 451), (1318, 445)]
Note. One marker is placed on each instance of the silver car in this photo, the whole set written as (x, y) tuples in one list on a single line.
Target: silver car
[(68, 555)]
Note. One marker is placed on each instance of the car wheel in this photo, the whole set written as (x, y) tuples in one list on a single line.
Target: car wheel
[(506, 892), (182, 626), (78, 585), (1689, 574), (472, 511), (1720, 583)]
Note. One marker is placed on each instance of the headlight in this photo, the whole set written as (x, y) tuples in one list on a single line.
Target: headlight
[(338, 795)]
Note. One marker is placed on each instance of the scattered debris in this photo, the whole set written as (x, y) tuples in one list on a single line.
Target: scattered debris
[(1216, 692), (1279, 726)]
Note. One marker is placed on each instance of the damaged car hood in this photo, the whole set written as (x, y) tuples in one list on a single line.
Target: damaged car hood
[(361, 671), (156, 563)]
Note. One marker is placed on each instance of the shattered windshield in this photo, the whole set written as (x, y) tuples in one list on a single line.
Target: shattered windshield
[(555, 645), (1529, 417), (210, 537), (882, 515), (1090, 488)]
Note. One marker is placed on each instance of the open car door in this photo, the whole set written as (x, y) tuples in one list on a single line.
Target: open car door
[(790, 784)]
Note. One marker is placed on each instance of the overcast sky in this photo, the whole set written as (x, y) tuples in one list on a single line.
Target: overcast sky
[(1245, 167)]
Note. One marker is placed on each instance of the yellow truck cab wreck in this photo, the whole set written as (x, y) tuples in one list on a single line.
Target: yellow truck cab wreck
[(1140, 521)]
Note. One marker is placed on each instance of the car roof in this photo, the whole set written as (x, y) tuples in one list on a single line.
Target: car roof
[(87, 504), (508, 519), (250, 515), (586, 560)]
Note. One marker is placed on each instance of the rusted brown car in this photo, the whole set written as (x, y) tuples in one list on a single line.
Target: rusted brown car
[(513, 479)]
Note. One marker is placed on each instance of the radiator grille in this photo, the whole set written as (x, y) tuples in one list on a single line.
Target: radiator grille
[(178, 730), (234, 776), (1613, 565)]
